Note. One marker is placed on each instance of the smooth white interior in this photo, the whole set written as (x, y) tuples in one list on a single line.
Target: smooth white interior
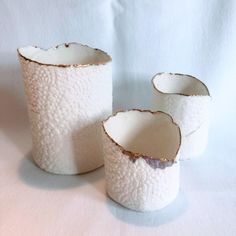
[(183, 84), (145, 133), (66, 54)]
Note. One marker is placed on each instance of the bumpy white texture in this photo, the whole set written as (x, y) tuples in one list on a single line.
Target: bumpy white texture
[(135, 184), (192, 114), (66, 106)]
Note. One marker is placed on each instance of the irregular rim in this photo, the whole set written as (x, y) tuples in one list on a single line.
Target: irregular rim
[(136, 155), (66, 65), (182, 94)]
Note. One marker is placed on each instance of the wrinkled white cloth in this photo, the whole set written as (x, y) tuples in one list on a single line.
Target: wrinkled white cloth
[(144, 37)]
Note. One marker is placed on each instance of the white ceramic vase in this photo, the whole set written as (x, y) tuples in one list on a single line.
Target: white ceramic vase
[(69, 92), (188, 101), (140, 151)]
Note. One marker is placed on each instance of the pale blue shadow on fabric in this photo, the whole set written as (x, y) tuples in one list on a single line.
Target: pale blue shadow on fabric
[(31, 175), (150, 219)]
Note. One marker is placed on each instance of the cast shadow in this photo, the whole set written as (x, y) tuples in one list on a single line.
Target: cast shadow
[(33, 176), (131, 93), (13, 113), (86, 142), (150, 219)]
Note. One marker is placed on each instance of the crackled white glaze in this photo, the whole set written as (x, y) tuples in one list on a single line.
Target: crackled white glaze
[(67, 99), (137, 180), (188, 101)]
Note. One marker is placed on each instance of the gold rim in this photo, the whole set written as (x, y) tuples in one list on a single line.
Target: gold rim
[(182, 94), (135, 155), (65, 65)]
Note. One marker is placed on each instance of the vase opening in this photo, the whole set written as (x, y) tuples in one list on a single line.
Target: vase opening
[(170, 83), (143, 133), (72, 54)]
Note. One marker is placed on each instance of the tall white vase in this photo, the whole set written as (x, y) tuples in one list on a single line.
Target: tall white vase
[(69, 92), (188, 101)]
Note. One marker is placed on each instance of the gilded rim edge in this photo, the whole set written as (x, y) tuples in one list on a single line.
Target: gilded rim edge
[(66, 65), (182, 94), (134, 155)]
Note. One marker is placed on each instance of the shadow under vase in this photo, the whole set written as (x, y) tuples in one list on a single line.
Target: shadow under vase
[(149, 219), (35, 177)]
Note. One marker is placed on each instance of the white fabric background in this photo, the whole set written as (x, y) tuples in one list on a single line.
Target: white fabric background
[(144, 37)]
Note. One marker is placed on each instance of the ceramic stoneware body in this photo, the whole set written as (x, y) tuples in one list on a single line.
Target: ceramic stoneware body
[(188, 101), (69, 92), (140, 150)]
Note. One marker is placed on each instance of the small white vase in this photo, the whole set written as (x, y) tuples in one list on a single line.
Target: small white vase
[(187, 100), (140, 151), (69, 92)]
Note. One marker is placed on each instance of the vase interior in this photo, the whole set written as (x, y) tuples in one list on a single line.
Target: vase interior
[(145, 133), (65, 54), (179, 84)]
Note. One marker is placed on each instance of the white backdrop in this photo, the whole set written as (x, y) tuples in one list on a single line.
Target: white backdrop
[(143, 37)]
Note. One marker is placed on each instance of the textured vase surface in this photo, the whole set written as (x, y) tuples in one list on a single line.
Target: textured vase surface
[(188, 101), (69, 92), (140, 151)]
